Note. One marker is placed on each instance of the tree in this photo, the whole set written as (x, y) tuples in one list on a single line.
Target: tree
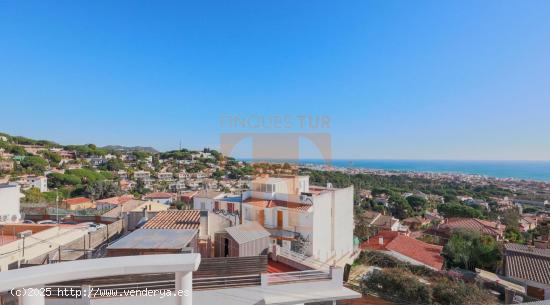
[(456, 292), (52, 157), (57, 180), (458, 210), (113, 165), (33, 195), (469, 249), (34, 164), (417, 203), (140, 187), (399, 283)]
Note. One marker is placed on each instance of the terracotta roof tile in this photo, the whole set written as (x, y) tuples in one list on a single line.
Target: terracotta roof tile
[(116, 200), (527, 263), (415, 249), (76, 200), (159, 195), (482, 226), (175, 219)]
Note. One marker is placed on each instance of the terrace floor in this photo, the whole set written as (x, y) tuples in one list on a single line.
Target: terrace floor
[(278, 267)]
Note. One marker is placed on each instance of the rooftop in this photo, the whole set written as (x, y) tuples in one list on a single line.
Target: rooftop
[(160, 195), (174, 219), (247, 232), (155, 239), (527, 263), (415, 249), (76, 200), (116, 200), (482, 226)]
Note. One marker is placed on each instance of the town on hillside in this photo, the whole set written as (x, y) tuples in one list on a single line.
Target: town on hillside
[(261, 232)]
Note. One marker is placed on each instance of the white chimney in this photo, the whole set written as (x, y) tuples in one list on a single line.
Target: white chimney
[(381, 240)]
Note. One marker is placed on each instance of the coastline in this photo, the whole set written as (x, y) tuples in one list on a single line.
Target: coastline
[(537, 171)]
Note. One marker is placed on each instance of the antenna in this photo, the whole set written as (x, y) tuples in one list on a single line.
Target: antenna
[(180, 144)]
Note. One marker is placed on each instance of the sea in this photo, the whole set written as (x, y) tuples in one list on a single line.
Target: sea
[(527, 170)]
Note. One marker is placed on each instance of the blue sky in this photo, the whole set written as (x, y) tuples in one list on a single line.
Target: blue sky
[(398, 79)]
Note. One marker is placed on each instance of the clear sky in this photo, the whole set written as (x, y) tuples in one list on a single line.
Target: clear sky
[(398, 79)]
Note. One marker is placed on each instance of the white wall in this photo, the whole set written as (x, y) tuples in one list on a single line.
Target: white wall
[(10, 208), (322, 227), (343, 221)]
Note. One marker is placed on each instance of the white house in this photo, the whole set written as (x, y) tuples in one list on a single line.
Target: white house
[(225, 204), (143, 175), (39, 182), (10, 196), (315, 221), (161, 197), (165, 176)]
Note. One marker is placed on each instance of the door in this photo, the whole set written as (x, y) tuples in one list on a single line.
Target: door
[(225, 247), (261, 217), (279, 219)]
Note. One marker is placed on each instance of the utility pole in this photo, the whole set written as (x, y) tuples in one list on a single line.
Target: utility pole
[(57, 205)]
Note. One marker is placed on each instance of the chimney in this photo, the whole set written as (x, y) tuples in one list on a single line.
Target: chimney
[(381, 240), (203, 228)]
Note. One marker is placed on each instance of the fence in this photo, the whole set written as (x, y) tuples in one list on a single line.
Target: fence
[(297, 276)]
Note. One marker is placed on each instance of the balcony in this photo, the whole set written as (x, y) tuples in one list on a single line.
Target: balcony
[(156, 279)]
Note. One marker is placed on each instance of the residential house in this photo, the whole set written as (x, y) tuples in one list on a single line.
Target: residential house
[(6, 165), (112, 202), (126, 185), (122, 174), (406, 249), (39, 182), (530, 266), (97, 161), (10, 198), (495, 229), (224, 204), (528, 222), (249, 239), (161, 197), (206, 223), (142, 213), (77, 203), (415, 223), (380, 221), (316, 221), (165, 176), (142, 175)]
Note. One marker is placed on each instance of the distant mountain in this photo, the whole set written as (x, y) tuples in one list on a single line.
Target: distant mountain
[(131, 148)]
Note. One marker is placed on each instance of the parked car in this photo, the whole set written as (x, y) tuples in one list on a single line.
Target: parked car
[(28, 221), (47, 222), (69, 222), (92, 227)]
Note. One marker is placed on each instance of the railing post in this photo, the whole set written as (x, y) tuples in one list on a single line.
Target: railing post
[(264, 279), (32, 296), (184, 288)]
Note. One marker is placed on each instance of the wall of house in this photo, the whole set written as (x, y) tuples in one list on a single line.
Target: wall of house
[(343, 224), (255, 247), (10, 198), (322, 227)]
